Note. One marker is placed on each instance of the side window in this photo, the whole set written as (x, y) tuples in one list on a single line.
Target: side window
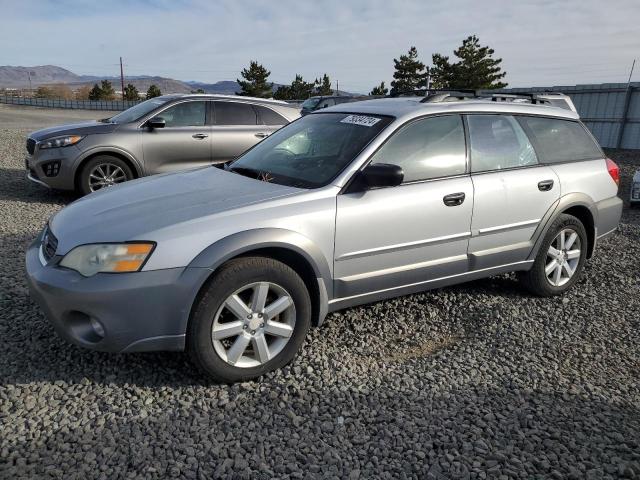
[(185, 114), (269, 117), (497, 142), (234, 113), (327, 102), (560, 140), (429, 148)]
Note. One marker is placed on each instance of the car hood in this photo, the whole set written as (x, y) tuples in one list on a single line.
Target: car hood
[(132, 211), (84, 128)]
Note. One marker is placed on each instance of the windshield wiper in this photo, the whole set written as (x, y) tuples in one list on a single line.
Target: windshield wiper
[(244, 171)]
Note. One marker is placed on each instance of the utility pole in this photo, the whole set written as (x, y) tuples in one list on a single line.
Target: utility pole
[(121, 78), (337, 87), (29, 75), (625, 108)]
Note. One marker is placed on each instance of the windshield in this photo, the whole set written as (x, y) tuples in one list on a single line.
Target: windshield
[(138, 111), (311, 151), (310, 103)]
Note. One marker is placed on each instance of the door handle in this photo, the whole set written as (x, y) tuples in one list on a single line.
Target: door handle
[(454, 199), (199, 136), (262, 135), (545, 185)]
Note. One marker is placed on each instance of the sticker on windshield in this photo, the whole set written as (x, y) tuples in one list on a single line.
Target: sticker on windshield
[(360, 120)]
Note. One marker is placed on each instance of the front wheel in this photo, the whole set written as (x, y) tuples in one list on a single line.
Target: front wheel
[(103, 171), (560, 260), (252, 319)]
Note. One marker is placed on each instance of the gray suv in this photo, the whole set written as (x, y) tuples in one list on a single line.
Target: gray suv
[(349, 205), (164, 134)]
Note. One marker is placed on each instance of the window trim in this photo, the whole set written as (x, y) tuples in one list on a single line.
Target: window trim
[(396, 130), (172, 104), (536, 145)]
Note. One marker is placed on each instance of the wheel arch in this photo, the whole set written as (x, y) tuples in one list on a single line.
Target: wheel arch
[(131, 162), (290, 248), (581, 206)]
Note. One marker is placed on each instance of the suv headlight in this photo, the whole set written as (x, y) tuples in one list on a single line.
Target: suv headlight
[(64, 141), (108, 257)]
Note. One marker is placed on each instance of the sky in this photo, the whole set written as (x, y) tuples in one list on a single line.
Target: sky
[(541, 42)]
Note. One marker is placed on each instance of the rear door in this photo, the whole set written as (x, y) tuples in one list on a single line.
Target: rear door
[(236, 128), (512, 191), (184, 142)]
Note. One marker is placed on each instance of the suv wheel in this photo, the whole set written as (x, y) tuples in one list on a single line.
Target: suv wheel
[(252, 318), (560, 259), (103, 171)]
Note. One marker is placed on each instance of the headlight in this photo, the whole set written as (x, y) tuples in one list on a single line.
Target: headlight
[(56, 142), (107, 257)]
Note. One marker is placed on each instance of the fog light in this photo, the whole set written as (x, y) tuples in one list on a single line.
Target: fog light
[(97, 327), (51, 169)]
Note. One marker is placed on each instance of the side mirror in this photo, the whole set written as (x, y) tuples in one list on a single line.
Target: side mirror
[(377, 175), (156, 122)]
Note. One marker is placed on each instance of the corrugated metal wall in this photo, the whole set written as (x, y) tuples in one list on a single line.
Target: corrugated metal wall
[(610, 110)]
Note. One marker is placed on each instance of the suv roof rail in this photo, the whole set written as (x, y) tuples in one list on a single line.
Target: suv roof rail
[(554, 99)]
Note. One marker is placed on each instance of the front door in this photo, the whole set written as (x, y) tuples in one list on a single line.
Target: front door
[(184, 142), (419, 231), (513, 192)]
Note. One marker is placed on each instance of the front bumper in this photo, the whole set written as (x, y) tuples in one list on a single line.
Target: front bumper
[(65, 158), (140, 311)]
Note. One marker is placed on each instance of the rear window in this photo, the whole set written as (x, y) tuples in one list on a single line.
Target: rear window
[(269, 117), (558, 140)]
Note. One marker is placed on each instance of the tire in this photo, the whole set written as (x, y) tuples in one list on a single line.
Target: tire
[(107, 164), (212, 317), (537, 280)]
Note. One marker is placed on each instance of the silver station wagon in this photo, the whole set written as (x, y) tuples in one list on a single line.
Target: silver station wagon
[(349, 205)]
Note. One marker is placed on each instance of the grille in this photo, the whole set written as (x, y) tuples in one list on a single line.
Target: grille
[(31, 145), (49, 245)]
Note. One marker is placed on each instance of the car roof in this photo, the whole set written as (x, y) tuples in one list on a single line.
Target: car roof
[(410, 107), (239, 98)]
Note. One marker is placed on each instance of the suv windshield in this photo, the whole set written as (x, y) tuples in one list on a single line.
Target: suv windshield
[(311, 151), (310, 103), (138, 111)]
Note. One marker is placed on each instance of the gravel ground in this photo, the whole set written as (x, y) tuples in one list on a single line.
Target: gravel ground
[(476, 381)]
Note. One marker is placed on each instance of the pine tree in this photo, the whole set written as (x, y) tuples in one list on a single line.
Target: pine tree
[(108, 92), (301, 90), (131, 92), (283, 93), (476, 68), (379, 90), (324, 86), (153, 92), (410, 73), (95, 93), (255, 81)]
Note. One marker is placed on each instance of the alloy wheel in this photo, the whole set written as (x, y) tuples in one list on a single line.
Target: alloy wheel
[(563, 257), (253, 325), (105, 175)]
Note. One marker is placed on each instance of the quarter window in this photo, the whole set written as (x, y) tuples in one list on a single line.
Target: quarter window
[(234, 113), (185, 114), (560, 140), (269, 117), (498, 142), (428, 148)]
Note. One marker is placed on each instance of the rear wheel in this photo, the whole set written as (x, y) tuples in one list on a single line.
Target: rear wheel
[(103, 171), (560, 259), (252, 318)]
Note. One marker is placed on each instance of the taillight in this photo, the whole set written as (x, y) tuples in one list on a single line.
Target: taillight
[(614, 171)]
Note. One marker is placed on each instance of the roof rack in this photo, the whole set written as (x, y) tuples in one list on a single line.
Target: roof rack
[(432, 96)]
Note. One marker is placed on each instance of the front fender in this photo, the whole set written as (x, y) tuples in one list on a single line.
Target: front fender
[(242, 242), (98, 150)]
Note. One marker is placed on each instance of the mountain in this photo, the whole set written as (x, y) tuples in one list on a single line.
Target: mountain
[(19, 76)]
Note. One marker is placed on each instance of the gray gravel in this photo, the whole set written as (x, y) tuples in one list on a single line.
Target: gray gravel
[(475, 381)]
